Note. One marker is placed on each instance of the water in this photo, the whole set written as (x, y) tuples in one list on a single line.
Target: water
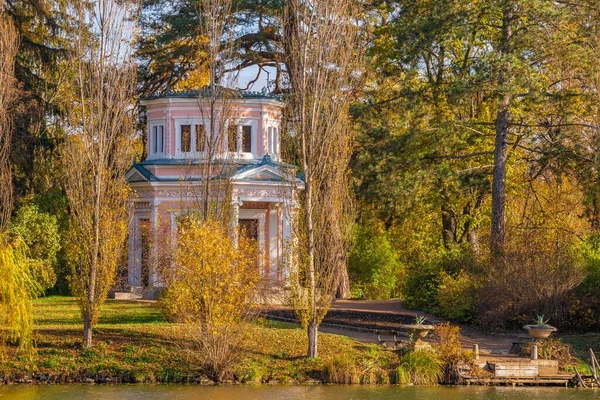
[(249, 392)]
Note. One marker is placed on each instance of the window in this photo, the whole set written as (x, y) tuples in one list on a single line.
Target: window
[(200, 135), (272, 145), (232, 137), (157, 139), (271, 139), (246, 139), (186, 138)]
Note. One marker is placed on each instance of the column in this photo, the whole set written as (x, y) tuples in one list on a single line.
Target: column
[(273, 240), (235, 216), (133, 231)]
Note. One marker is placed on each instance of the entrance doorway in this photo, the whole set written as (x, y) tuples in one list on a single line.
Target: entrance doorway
[(249, 228)]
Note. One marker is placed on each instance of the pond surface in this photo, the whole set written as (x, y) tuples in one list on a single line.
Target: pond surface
[(248, 392)]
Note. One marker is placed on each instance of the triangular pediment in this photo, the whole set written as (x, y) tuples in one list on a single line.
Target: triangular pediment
[(262, 173), (135, 176), (138, 173)]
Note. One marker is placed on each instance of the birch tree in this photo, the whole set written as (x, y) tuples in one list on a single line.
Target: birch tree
[(320, 43), (98, 151)]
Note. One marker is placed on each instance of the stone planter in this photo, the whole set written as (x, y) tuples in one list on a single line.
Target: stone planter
[(419, 332), (540, 332)]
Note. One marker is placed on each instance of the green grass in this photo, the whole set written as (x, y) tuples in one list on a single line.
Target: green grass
[(581, 345), (134, 343)]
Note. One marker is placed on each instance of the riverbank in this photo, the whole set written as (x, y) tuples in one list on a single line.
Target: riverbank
[(134, 344)]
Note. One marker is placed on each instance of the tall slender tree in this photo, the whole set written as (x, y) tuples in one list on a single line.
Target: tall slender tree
[(321, 40), (98, 151)]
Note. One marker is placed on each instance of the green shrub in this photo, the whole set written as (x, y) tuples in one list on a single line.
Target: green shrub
[(455, 297), (251, 372), (421, 286), (419, 367), (441, 273), (39, 232), (373, 266)]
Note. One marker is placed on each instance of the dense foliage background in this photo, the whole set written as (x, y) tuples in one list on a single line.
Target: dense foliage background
[(426, 136)]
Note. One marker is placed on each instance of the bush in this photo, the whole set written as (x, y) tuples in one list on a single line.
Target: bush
[(435, 285), (551, 349), (455, 297), (373, 266), (535, 275), (209, 290), (39, 232), (419, 367), (342, 370), (454, 359)]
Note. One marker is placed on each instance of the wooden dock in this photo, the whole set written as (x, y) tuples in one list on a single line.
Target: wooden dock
[(558, 380), (508, 370)]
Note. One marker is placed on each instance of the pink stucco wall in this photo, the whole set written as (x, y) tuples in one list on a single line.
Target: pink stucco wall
[(168, 111)]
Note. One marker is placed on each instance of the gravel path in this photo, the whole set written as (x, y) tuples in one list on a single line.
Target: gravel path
[(359, 318)]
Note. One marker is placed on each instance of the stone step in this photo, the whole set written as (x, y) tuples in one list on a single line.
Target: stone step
[(137, 293)]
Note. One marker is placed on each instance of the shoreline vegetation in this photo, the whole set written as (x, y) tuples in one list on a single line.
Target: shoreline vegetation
[(135, 344)]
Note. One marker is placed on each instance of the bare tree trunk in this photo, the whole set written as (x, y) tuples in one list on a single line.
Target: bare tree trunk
[(499, 180), (344, 287), (501, 143), (9, 45), (87, 330), (312, 339)]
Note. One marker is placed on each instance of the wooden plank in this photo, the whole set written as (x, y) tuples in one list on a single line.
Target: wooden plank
[(579, 378), (594, 365)]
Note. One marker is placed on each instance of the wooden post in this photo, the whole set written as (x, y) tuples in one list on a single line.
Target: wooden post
[(594, 366), (476, 351), (534, 352), (579, 378)]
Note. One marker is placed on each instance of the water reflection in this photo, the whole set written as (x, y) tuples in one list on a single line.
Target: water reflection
[(248, 392)]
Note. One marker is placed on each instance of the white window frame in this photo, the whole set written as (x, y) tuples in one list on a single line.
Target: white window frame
[(253, 124), (192, 122), (273, 140), (152, 139)]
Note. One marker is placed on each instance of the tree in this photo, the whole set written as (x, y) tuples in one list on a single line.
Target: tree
[(98, 151), (210, 289), (43, 27), (172, 48), (373, 264), (9, 44), (39, 233), (321, 40), (17, 289)]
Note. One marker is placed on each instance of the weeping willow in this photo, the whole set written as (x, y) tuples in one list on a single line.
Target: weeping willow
[(18, 287)]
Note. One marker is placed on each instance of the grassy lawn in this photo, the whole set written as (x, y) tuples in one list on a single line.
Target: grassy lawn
[(581, 345), (133, 343)]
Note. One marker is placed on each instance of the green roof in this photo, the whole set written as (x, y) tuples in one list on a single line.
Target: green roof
[(235, 93)]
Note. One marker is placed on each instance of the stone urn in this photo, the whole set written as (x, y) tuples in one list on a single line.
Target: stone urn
[(540, 332), (420, 331)]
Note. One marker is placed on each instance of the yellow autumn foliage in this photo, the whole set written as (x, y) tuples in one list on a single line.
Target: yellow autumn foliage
[(18, 287), (210, 288)]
